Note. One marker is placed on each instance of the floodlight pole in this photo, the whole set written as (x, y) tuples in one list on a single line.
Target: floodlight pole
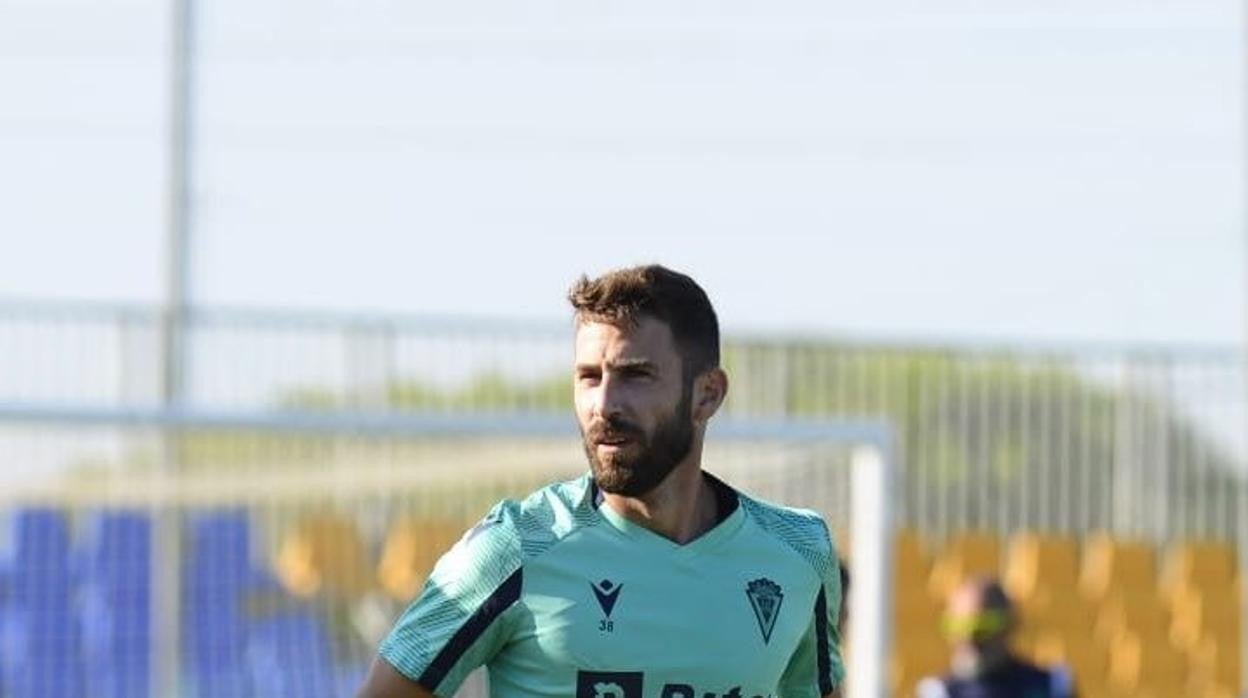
[(166, 557)]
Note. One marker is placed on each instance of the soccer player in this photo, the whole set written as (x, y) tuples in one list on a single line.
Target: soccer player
[(979, 620), (647, 577)]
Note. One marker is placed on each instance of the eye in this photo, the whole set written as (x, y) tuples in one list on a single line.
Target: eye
[(637, 373), (586, 375)]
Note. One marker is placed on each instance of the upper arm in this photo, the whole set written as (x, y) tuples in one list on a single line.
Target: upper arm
[(816, 668), (384, 681), (464, 615)]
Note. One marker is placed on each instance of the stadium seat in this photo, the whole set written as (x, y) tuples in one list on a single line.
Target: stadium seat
[(965, 555), (38, 627), (1137, 662), (114, 603), (1040, 566), (1141, 613), (411, 548), (325, 556), (1065, 612), (1216, 663), (289, 656), (1199, 614), (1117, 565), (217, 575), (1197, 564)]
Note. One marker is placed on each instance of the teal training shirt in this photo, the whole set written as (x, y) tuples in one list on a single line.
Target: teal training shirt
[(559, 595)]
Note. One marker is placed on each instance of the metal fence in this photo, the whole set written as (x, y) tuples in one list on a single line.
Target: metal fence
[(1146, 441)]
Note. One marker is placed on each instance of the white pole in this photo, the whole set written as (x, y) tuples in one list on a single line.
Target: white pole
[(871, 588), (166, 534)]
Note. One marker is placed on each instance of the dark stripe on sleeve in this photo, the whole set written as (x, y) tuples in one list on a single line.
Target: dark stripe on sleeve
[(821, 644), (503, 597)]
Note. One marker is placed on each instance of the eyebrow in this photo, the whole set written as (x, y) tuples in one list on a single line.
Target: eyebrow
[(623, 363)]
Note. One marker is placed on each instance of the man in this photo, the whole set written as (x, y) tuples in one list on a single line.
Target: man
[(647, 577), (979, 620)]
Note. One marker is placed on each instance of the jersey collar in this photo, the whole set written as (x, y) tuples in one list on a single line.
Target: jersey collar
[(727, 518)]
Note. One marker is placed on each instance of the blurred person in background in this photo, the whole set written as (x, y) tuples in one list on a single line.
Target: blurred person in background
[(647, 576), (979, 620)]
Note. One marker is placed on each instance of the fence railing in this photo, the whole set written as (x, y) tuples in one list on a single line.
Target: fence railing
[(1146, 441)]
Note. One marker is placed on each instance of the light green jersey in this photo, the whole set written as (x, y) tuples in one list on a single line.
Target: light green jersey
[(559, 595)]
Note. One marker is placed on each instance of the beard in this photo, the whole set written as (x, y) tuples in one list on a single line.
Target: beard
[(644, 461)]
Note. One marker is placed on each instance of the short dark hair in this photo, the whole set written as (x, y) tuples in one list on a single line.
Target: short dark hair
[(626, 295)]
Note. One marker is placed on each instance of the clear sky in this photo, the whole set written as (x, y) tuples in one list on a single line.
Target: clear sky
[(1014, 168)]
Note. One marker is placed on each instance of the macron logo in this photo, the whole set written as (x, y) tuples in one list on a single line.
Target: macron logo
[(607, 592)]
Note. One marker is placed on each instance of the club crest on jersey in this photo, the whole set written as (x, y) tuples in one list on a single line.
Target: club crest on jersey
[(607, 592), (765, 598)]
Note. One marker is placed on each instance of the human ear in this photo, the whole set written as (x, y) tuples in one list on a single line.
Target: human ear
[(709, 390)]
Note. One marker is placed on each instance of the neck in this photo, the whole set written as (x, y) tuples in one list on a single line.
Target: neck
[(680, 509)]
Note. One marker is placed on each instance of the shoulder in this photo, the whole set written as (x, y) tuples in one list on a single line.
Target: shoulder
[(513, 531), (1024, 668), (802, 530), (530, 526), (1061, 683), (1057, 681)]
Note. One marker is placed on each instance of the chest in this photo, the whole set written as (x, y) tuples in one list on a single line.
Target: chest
[(694, 625)]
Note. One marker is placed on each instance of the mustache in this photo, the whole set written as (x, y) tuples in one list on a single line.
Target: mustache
[(611, 429)]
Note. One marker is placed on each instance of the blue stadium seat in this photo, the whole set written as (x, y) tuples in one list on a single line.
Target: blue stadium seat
[(216, 575), (289, 656), (114, 602), (39, 638)]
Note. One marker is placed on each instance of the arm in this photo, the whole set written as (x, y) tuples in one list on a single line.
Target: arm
[(383, 681), (816, 667), (463, 618)]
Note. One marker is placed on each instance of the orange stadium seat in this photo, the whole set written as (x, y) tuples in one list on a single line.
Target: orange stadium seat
[(965, 555), (1117, 565), (1138, 662), (1138, 612), (1088, 661), (411, 549), (1063, 611), (1198, 614), (1039, 566), (1216, 664), (325, 555), (1200, 564)]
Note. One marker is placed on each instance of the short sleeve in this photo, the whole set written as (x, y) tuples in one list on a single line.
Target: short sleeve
[(466, 611), (816, 668)]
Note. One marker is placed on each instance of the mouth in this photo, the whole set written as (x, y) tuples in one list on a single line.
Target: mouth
[(613, 441)]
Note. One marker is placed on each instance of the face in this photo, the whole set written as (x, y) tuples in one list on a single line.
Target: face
[(980, 633), (632, 404)]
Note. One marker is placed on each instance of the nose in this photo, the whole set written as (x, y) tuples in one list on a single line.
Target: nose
[(608, 403)]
